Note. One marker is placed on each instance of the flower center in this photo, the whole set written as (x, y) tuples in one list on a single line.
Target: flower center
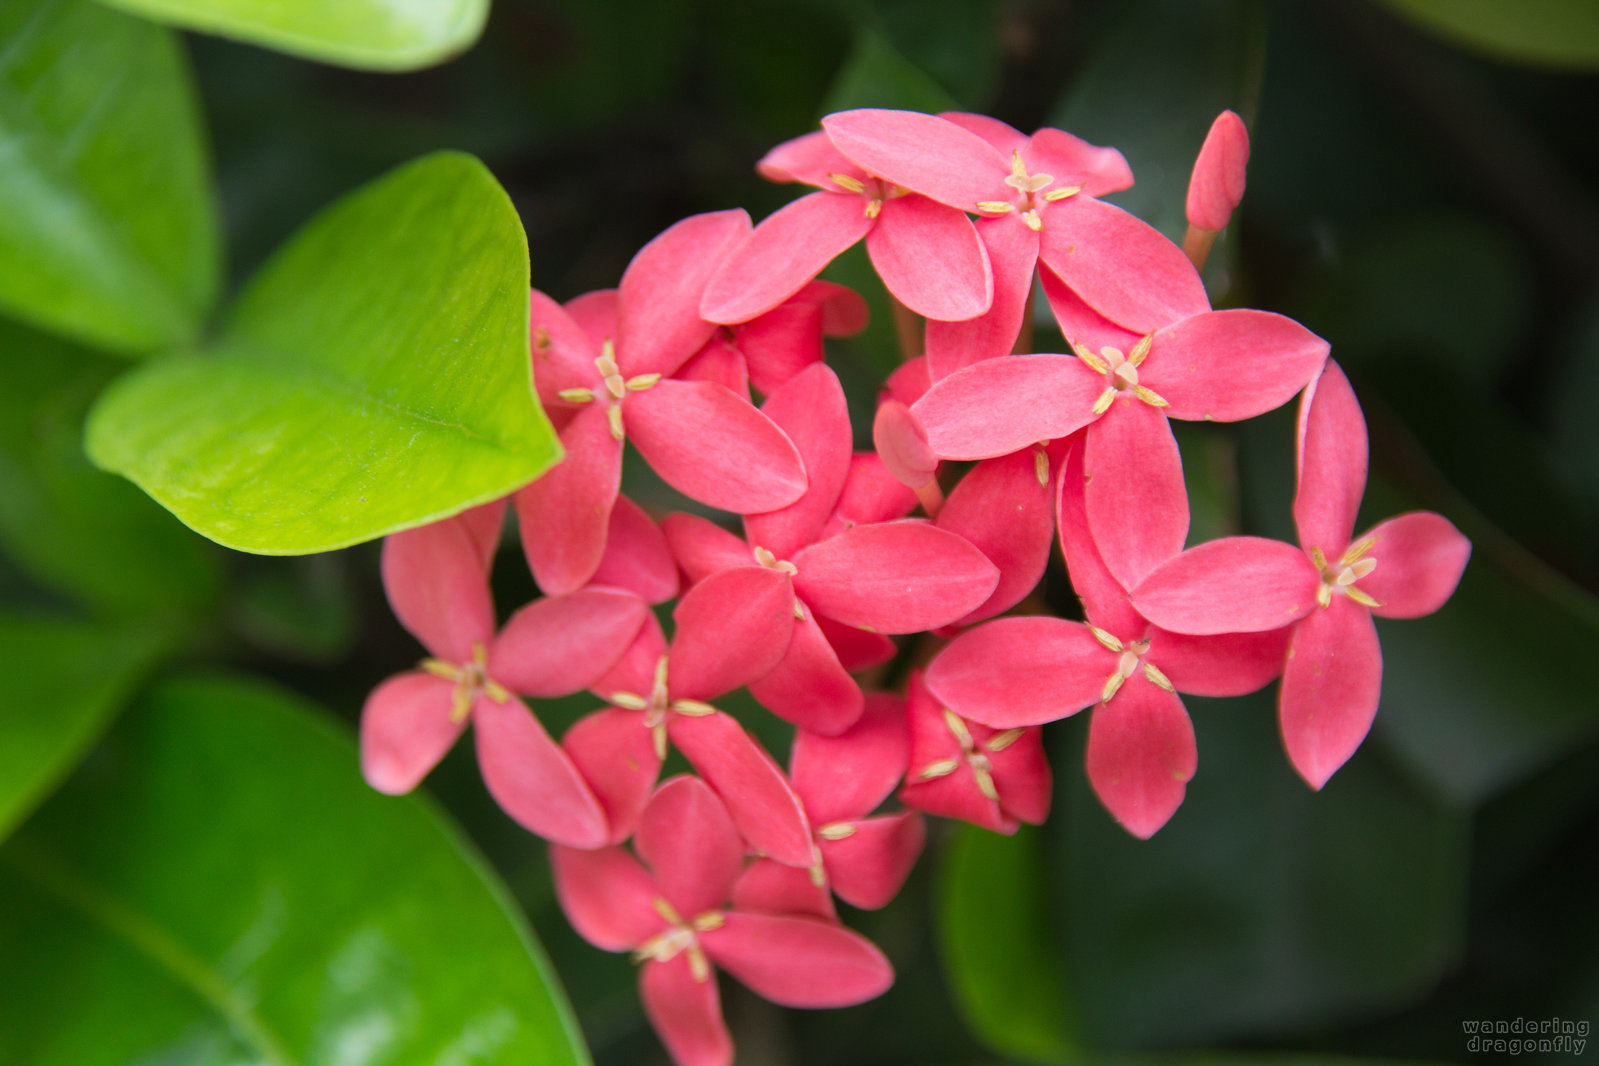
[(471, 681), (1026, 201), (615, 386), (1130, 657), (975, 756), (679, 937), (875, 191), (658, 705), (1340, 577), (772, 562), (1121, 372)]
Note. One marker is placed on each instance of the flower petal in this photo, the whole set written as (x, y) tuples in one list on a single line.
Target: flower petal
[(713, 447), (1021, 671), (1002, 510), (1223, 366), (563, 353), (406, 728), (1013, 256), (483, 525), (596, 312), (565, 514), (732, 628), (857, 649), (1331, 463), (896, 577), (637, 556), (1141, 755), (1233, 585), (702, 548), (1079, 323), (1073, 161), (658, 323), (901, 444), (721, 361), (531, 778), (615, 753), (782, 342), (635, 671), (1330, 688), (1103, 597), (688, 841), (438, 587), (922, 153), (931, 259), (810, 409), (775, 888), (871, 494), (1134, 495), (843, 778), (1225, 664), (1002, 135), (1002, 405), (686, 1013), (788, 249), (1217, 184), (810, 158), (758, 796), (1420, 557), (560, 645), (809, 687), (868, 867), (1122, 267), (799, 961), (607, 896)]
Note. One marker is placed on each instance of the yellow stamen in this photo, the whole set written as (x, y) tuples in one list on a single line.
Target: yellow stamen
[(1150, 396), (1106, 398), (667, 912), (1063, 192), (844, 181), (1113, 684), (709, 920), (576, 395), (614, 416), (1359, 597), (985, 783), (693, 708), (1001, 741), (1108, 639), (873, 207), (1034, 223), (658, 734), (1095, 363), (642, 382), (629, 701), (1141, 350), (997, 207), (1041, 467), (1318, 558), (1154, 674), (955, 725), (440, 668), (1358, 549), (937, 769), (1324, 595), (698, 968), (836, 831)]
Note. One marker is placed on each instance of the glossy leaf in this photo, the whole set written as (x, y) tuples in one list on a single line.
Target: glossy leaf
[(994, 924), (76, 529), (64, 682), (367, 34), (373, 376), (218, 885), (108, 232), (1555, 33)]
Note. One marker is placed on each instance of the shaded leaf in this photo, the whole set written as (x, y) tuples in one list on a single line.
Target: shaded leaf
[(878, 75), (108, 231), (217, 885), (375, 375), (1555, 33), (78, 529), (64, 682), (367, 34)]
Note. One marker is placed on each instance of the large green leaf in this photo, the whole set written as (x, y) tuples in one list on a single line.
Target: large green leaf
[(64, 681), (369, 34), (1003, 963), (375, 375), (72, 527), (1556, 33), (108, 231), (217, 885)]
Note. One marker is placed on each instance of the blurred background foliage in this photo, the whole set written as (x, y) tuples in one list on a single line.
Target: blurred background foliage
[(1423, 192)]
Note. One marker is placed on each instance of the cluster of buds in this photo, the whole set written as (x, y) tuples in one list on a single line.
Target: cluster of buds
[(739, 865)]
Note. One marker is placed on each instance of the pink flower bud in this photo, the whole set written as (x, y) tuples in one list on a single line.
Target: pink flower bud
[(1218, 181)]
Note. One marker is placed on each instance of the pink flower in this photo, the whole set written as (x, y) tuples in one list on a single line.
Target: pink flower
[(671, 912), (995, 778), (771, 348), (927, 254), (1217, 184), (603, 366), (1026, 671), (436, 578), (1327, 589), (731, 630)]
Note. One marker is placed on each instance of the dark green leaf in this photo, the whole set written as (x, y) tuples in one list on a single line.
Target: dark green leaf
[(878, 75), (217, 885), (1002, 960), (107, 232), (1555, 33), (374, 376), (75, 528), (368, 34)]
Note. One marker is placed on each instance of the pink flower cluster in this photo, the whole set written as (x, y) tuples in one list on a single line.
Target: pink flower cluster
[(737, 867)]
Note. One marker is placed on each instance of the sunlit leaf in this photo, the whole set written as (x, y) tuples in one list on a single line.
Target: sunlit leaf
[(107, 231), (375, 375), (369, 34), (217, 885)]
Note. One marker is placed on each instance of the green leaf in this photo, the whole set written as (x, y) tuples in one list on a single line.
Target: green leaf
[(108, 232), (1262, 907), (878, 75), (1152, 85), (994, 924), (217, 885), (74, 528), (366, 34), (64, 682), (375, 375), (1553, 33)]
